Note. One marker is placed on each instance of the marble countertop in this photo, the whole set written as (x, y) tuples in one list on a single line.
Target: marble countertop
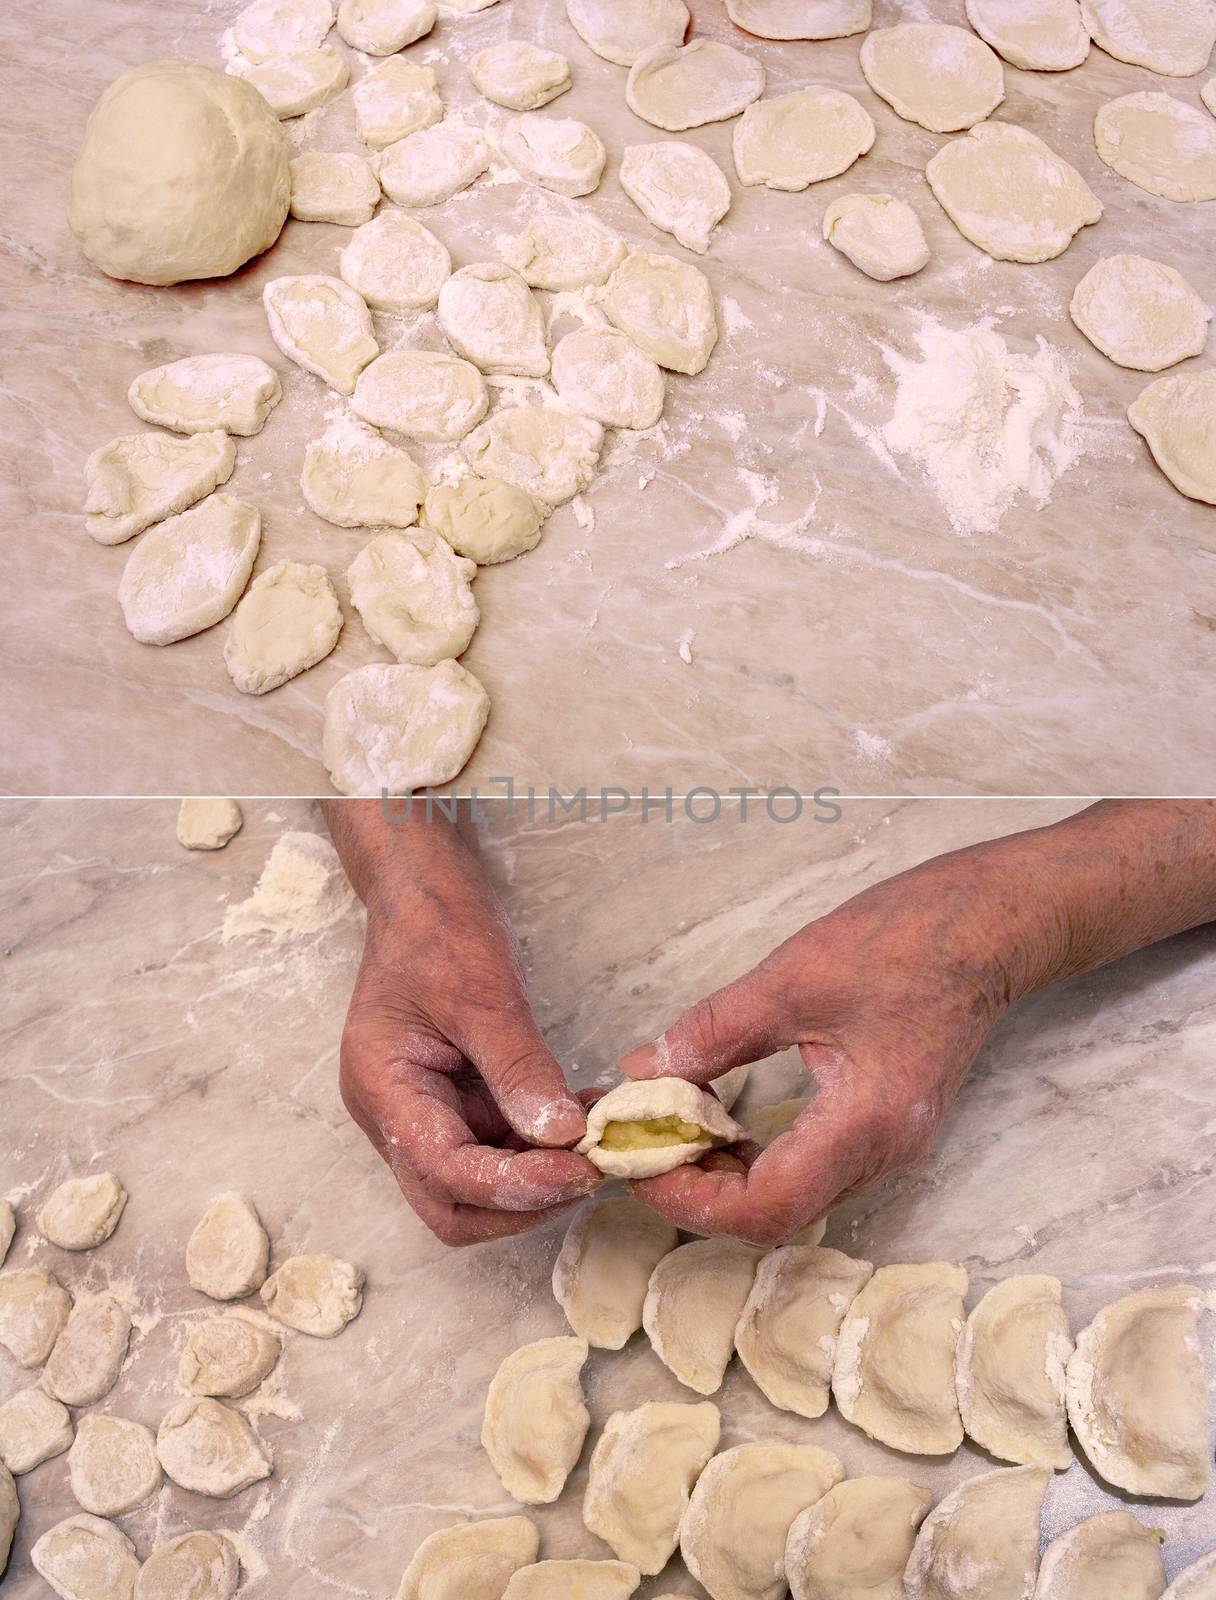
[(765, 596), (134, 1039)]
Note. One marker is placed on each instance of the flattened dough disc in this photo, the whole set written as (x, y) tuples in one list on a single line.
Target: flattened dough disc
[(1177, 416), (1174, 37), (933, 73), (1160, 144), (801, 19)]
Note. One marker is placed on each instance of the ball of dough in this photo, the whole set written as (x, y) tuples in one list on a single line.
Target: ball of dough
[(207, 824), (878, 233), (183, 174)]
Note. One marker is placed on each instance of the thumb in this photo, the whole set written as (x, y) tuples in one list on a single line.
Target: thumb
[(525, 1079), (747, 1020)]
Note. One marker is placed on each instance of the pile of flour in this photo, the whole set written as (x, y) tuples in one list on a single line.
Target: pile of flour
[(302, 890)]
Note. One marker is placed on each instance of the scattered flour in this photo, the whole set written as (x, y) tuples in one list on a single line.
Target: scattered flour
[(302, 890)]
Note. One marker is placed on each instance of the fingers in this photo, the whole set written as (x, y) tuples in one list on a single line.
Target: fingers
[(745, 1021), (460, 1225), (526, 1081)]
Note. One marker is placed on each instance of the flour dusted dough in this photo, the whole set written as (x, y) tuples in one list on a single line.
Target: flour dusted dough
[(228, 1252), (983, 1539), (563, 1580), (677, 187), (189, 571), (788, 1327), (281, 27), (295, 84), (83, 1212), (559, 252), (415, 597), (622, 30), (601, 374), (395, 264), (1140, 313), (559, 153), (641, 1475), (490, 316), (1010, 194), (801, 19), (431, 166), (685, 86), (793, 140), (402, 728), (548, 453), (352, 477), (694, 1300), (1038, 35), (878, 233), (429, 396), (535, 1418), (194, 1566), (112, 1465), (289, 620), (1010, 1367), (1173, 37), (227, 1356), (382, 27), (603, 1270), (89, 1353), (395, 99), (333, 186), (84, 1558), (10, 1515), (139, 478), (933, 73), (200, 393), (471, 1561), (33, 1428), (1177, 416), (1108, 1555), (322, 325), (207, 824), (486, 519), (666, 308), (1208, 95), (317, 1295), (519, 75), (33, 1309), (854, 1543), (1197, 1582), (647, 1126), (205, 1446), (734, 1533), (8, 1227), (1160, 144)]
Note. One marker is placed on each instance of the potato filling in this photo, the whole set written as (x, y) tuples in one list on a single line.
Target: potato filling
[(652, 1135)]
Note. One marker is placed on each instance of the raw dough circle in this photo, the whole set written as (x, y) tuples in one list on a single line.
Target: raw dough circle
[(296, 84), (289, 620), (556, 252), (602, 374), (189, 571), (84, 1558), (933, 73), (1038, 35), (89, 1353), (396, 729), (486, 519), (490, 316), (182, 174), (356, 479), (199, 393), (685, 86), (622, 30), (431, 166), (205, 1446), (677, 187), (322, 325), (83, 1212), (1177, 416), (112, 1464), (33, 1309), (395, 263), (1140, 313), (801, 19), (227, 1253), (793, 140), (666, 308), (227, 1356), (314, 1294), (140, 478), (395, 99), (878, 233), (429, 396), (195, 1566), (1160, 144), (1173, 37), (33, 1428), (559, 153), (333, 186), (382, 27), (519, 75), (548, 453), (281, 27), (415, 596)]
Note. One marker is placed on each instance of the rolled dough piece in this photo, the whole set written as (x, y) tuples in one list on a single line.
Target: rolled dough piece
[(84, 1558), (1160, 144), (471, 1561), (10, 1515), (318, 1295), (603, 1270), (431, 166), (1177, 416), (112, 1465), (556, 252), (205, 1446), (194, 1566), (1010, 1367), (83, 1212), (519, 75), (535, 1418), (1173, 37), (559, 153), (281, 27), (415, 596), (333, 186), (490, 316), (678, 187), (854, 1543), (382, 27), (641, 1475), (190, 570), (8, 1226), (666, 308), (89, 1353), (677, 86), (601, 374), (982, 1539), (1010, 194), (878, 233), (1110, 1554), (1038, 35), (396, 264), (140, 478), (1196, 1582), (227, 1356), (1140, 313), (207, 824), (33, 1428), (353, 478), (622, 30), (549, 454), (560, 1580), (399, 729), (200, 393), (395, 99), (228, 1252), (695, 1297), (793, 140), (648, 1126), (295, 84), (422, 393), (486, 519), (933, 73), (289, 620), (33, 1310), (322, 325), (801, 19)]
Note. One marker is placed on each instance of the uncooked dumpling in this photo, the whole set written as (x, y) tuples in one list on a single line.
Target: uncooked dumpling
[(558, 252), (1197, 1582), (573, 1580), (1159, 143), (486, 519), (666, 308), (194, 1566), (227, 1254), (1177, 416), (112, 1465), (535, 1418), (788, 1328), (854, 1543), (432, 166), (1010, 1365), (677, 187), (85, 1558), (423, 393), (647, 1126), (83, 1212), (317, 1295), (289, 620), (602, 1273), (322, 325), (395, 263), (559, 153), (199, 393), (933, 73), (641, 1475), (1140, 313), (139, 478), (188, 572), (382, 27), (395, 99), (205, 1446), (982, 1540), (490, 316), (801, 19), (734, 1533), (549, 453), (1108, 1556), (33, 1310), (1137, 1394), (878, 233), (601, 374), (333, 186), (894, 1370), (227, 1356), (792, 140), (33, 1428), (415, 597), (398, 729), (685, 86), (1038, 35), (622, 30), (296, 84), (519, 75), (351, 476), (89, 1353), (1174, 37), (281, 27), (695, 1298), (207, 823), (470, 1561)]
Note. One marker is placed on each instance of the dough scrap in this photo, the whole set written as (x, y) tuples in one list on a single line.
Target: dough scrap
[(563, 1580), (295, 84), (535, 1418), (227, 1356), (431, 166), (789, 1325), (486, 519), (1177, 416), (602, 374), (603, 1270), (190, 570), (678, 187), (1173, 37), (112, 1464), (1010, 1367), (622, 30), (322, 325), (793, 140), (398, 729), (1010, 194), (519, 75), (83, 1212), (382, 27), (318, 1295), (490, 316), (878, 233), (198, 394), (194, 1566), (10, 1515), (559, 153), (228, 1252), (666, 308), (84, 1558), (855, 1543), (289, 620), (1160, 144), (677, 86), (140, 478), (33, 1428), (557, 252), (422, 393), (207, 824), (333, 186), (89, 1353), (33, 1310), (395, 99), (734, 1533), (8, 1226), (471, 1561), (647, 1126), (205, 1446), (696, 1295), (548, 453), (983, 1539), (1107, 1555), (1196, 1582), (1037, 35), (1140, 313), (415, 596), (396, 264), (641, 1476), (281, 27), (801, 19), (353, 478), (894, 1370), (933, 73)]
